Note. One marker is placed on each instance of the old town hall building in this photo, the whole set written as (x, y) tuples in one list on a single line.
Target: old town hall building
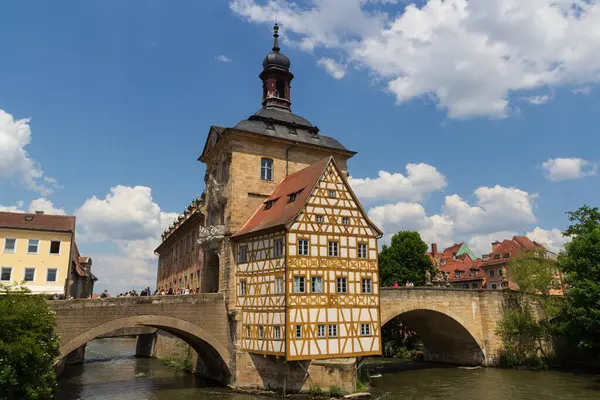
[(281, 234)]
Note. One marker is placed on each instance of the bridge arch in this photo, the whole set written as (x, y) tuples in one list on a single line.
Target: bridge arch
[(448, 337), (211, 351)]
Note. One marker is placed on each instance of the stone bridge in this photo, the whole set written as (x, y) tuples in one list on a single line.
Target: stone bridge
[(457, 326), (201, 321)]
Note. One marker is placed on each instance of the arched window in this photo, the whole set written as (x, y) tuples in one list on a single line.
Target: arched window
[(281, 89), (266, 169)]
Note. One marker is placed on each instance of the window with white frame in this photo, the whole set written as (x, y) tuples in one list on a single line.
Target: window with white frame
[(260, 332), (362, 250), (266, 169), (278, 247), (316, 284), (55, 247), (333, 249), (302, 247), (29, 275), (321, 331), (243, 287), (319, 219), (10, 245), (243, 254), (367, 286), (247, 332), (332, 193), (299, 284), (333, 330), (342, 285), (277, 333), (6, 274), (365, 329), (298, 331), (345, 220), (51, 274), (278, 285), (33, 246)]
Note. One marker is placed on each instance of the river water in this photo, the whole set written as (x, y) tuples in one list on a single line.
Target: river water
[(112, 372)]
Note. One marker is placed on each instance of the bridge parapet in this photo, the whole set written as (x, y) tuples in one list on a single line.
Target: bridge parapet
[(201, 320)]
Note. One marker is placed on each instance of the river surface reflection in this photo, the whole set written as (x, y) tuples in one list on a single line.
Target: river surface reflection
[(112, 372)]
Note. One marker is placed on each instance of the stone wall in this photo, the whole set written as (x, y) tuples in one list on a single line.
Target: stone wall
[(200, 320), (257, 372)]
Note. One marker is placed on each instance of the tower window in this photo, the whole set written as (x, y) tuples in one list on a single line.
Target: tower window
[(266, 169), (281, 89)]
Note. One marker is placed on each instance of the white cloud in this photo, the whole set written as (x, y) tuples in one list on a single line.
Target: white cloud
[(129, 218), (420, 180), (538, 100), (41, 204), (46, 206), (560, 169), (467, 56), (335, 69), (126, 213), (120, 273), (15, 163), (223, 58), (482, 244), (497, 213), (496, 208), (552, 239), (392, 218)]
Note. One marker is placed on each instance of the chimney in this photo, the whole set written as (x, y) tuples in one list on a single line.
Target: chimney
[(433, 249), (39, 212), (495, 246)]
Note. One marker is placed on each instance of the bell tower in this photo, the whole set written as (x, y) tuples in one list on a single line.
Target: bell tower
[(276, 77)]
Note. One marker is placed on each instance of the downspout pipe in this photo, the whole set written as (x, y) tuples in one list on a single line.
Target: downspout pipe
[(287, 151)]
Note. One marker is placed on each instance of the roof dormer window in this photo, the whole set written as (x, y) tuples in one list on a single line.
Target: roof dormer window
[(293, 196), (506, 255), (269, 204)]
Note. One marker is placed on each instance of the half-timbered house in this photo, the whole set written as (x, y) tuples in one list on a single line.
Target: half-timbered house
[(307, 276)]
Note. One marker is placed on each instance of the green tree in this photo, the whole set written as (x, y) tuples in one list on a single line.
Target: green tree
[(525, 333), (405, 259), (581, 263), (28, 347)]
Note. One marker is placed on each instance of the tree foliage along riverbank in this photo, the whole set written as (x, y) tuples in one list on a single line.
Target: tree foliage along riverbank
[(405, 259), (569, 333), (28, 347)]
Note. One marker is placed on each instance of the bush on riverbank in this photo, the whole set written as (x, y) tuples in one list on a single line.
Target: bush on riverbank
[(28, 346)]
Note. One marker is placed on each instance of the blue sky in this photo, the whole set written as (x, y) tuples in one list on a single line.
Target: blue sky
[(482, 116)]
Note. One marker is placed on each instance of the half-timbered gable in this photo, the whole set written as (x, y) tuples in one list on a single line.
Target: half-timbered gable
[(329, 304), (260, 283), (332, 246)]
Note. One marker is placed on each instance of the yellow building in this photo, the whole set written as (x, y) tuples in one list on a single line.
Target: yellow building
[(39, 252)]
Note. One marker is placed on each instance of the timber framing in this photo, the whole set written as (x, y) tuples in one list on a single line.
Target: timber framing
[(321, 305)]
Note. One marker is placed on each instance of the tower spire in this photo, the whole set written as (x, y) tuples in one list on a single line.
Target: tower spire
[(276, 38), (276, 76)]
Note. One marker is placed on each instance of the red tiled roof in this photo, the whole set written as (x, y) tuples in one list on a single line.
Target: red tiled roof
[(282, 211), (452, 249), (37, 222)]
